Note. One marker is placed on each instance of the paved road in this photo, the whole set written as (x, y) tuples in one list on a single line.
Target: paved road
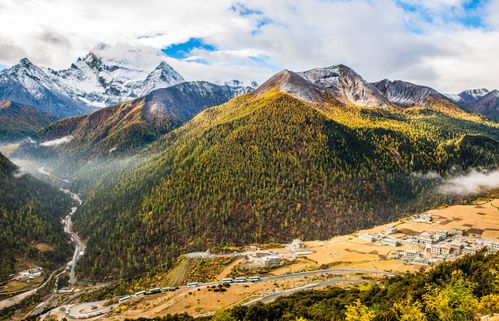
[(207, 255), (18, 298), (84, 310), (307, 273), (271, 297)]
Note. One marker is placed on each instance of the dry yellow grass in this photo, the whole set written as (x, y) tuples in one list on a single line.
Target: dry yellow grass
[(346, 251)]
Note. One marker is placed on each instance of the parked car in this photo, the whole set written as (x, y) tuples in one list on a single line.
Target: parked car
[(192, 284), (228, 280)]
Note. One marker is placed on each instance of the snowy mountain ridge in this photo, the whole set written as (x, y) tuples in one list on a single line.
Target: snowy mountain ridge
[(104, 77)]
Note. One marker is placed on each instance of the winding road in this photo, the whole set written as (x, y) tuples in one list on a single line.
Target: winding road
[(84, 310)]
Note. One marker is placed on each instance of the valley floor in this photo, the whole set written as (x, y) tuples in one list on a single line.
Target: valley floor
[(349, 254)]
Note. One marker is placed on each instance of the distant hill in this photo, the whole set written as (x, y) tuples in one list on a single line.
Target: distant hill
[(130, 125), (297, 158), (480, 101), (30, 215), (19, 121)]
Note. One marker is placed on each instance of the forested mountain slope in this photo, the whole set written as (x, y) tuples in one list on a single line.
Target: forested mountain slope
[(30, 214), (18, 121), (270, 167), (130, 125)]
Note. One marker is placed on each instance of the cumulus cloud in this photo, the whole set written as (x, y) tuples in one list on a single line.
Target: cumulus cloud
[(430, 43), (474, 182)]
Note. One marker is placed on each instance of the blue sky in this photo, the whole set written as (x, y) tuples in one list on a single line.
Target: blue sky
[(447, 44), (182, 50), (467, 14)]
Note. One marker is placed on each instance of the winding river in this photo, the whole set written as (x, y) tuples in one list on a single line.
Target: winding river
[(77, 254)]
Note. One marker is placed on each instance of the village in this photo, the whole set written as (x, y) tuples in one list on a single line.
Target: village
[(430, 247), (258, 258)]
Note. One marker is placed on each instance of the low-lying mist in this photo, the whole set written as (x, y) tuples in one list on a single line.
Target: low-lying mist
[(471, 183)]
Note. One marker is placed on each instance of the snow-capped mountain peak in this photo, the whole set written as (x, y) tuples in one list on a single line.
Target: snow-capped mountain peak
[(105, 76), (345, 83), (161, 77), (469, 96)]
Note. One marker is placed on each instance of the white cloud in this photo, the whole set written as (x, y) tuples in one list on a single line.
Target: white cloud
[(376, 38), (474, 182), (57, 141)]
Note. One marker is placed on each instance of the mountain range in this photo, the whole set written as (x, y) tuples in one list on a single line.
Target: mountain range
[(108, 75), (307, 154), (480, 101), (104, 77), (168, 166)]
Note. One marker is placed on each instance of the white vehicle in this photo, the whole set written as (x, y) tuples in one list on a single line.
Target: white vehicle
[(140, 293), (124, 298), (228, 280), (240, 279), (192, 284), (254, 278), (154, 291), (168, 288)]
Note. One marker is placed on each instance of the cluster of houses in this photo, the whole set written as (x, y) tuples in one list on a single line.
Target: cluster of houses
[(29, 275), (443, 245), (430, 247), (384, 237), (266, 259)]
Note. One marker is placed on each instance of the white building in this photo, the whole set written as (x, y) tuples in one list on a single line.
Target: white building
[(390, 241), (271, 260), (367, 237)]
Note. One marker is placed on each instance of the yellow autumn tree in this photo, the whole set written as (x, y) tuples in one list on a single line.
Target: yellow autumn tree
[(407, 310), (358, 312)]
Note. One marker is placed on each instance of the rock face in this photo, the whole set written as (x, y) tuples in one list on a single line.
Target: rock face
[(293, 84), (104, 77), (314, 85), (404, 93), (185, 100), (343, 82)]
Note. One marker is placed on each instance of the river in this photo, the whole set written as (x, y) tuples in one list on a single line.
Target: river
[(77, 254)]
